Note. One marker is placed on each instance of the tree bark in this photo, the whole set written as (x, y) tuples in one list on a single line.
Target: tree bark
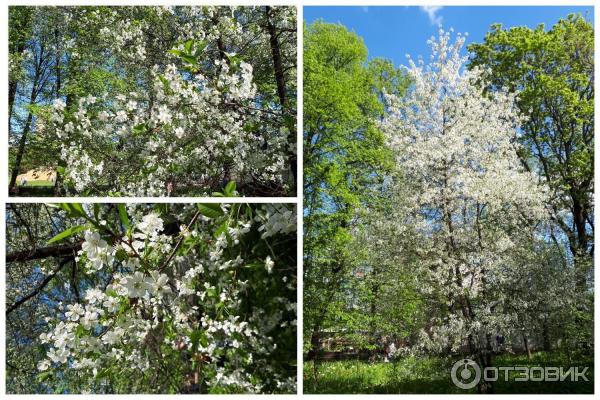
[(20, 152), (546, 338), (280, 81), (276, 54), (527, 348), (44, 252)]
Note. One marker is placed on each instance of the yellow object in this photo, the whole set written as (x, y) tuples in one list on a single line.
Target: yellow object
[(39, 174)]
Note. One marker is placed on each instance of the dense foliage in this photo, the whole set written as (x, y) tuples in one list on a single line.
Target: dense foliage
[(151, 101), (159, 298), (552, 70), (345, 160)]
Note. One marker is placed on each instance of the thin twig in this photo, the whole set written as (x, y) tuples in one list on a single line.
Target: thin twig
[(172, 255)]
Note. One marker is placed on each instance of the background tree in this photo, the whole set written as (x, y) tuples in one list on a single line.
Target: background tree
[(345, 162), (20, 20), (32, 56), (552, 70)]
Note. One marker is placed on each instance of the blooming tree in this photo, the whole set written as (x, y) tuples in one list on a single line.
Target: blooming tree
[(181, 100), (471, 202), (456, 250), (179, 299)]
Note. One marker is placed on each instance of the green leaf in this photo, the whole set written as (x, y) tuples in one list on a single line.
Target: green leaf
[(164, 80), (78, 208), (210, 210), (41, 377), (200, 46), (121, 255), (230, 189), (80, 331), (74, 210), (222, 229), (188, 45), (123, 215), (67, 233), (103, 373), (140, 129), (189, 59), (198, 337)]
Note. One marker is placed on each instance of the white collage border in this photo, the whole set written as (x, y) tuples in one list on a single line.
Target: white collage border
[(296, 199)]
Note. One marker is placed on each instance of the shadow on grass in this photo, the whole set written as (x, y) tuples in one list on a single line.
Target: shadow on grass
[(34, 191)]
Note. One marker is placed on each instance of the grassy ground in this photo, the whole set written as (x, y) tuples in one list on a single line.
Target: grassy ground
[(432, 375), (37, 184)]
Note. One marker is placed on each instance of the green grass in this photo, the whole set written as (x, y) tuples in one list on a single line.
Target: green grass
[(37, 184), (432, 375)]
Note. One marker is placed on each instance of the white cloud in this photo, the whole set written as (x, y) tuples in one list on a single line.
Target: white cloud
[(432, 13)]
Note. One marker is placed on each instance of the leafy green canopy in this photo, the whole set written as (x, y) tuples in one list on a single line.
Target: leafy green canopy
[(345, 159), (553, 72)]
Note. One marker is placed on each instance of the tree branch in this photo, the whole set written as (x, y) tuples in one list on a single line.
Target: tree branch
[(40, 287), (172, 255), (44, 252)]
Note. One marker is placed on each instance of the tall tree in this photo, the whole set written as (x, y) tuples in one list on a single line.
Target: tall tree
[(345, 159), (471, 202), (20, 32), (37, 79), (552, 70)]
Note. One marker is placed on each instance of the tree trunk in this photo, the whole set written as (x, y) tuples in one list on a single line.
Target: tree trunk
[(485, 387), (581, 251), (17, 48), (57, 64), (526, 344), (546, 338), (27, 127), (276, 54), (20, 152), (280, 80)]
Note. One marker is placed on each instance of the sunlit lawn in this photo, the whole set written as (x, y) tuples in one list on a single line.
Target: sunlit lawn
[(432, 375), (40, 183)]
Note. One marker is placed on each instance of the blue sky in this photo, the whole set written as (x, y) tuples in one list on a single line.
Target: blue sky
[(393, 32)]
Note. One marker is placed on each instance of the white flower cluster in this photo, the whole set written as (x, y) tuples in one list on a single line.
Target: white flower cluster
[(97, 251), (276, 218), (194, 306), (455, 145), (144, 143), (186, 126)]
